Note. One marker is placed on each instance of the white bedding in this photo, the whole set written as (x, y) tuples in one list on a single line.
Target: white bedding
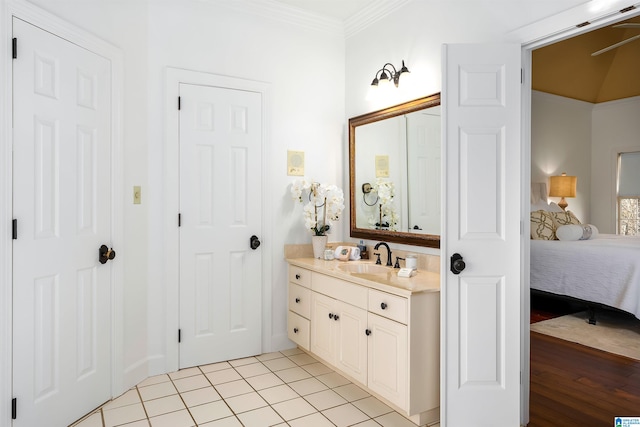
[(605, 270)]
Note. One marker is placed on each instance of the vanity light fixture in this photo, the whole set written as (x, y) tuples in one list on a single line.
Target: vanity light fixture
[(387, 74)]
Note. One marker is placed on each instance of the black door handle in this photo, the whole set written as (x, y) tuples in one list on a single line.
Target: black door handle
[(457, 263), (254, 242), (105, 254)]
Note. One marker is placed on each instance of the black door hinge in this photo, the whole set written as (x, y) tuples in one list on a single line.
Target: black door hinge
[(14, 48), (179, 103), (179, 335), (14, 232), (14, 408), (179, 220)]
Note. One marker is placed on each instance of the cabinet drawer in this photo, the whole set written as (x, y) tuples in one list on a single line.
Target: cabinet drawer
[(298, 329), (300, 300), (300, 276), (390, 306), (339, 289)]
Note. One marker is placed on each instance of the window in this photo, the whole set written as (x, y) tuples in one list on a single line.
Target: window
[(629, 193)]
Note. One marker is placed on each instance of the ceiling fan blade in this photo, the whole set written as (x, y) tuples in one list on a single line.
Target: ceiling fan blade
[(627, 25), (613, 46)]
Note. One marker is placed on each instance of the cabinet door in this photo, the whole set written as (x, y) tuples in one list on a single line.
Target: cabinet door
[(388, 359), (323, 326), (351, 341)]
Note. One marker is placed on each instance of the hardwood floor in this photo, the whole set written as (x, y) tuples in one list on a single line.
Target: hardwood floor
[(574, 385)]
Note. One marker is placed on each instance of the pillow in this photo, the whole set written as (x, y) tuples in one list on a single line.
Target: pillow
[(542, 227), (540, 205), (553, 207), (564, 218), (577, 232)]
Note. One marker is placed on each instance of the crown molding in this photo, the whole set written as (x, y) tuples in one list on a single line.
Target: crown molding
[(374, 12), (272, 9)]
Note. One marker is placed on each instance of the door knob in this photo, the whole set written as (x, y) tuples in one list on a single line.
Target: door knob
[(457, 263), (105, 254), (254, 242)]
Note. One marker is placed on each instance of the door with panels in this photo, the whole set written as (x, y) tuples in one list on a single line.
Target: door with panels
[(62, 203), (220, 211)]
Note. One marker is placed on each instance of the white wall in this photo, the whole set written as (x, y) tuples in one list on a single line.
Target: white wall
[(616, 129), (561, 142)]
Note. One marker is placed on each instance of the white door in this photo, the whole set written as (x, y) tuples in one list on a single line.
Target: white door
[(481, 305), (424, 171), (61, 200), (220, 206)]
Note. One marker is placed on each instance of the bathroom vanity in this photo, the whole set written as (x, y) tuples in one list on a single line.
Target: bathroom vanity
[(379, 330)]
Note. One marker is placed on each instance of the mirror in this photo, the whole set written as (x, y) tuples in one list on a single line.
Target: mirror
[(394, 173)]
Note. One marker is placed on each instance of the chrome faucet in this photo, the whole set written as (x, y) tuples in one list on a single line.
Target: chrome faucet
[(389, 263)]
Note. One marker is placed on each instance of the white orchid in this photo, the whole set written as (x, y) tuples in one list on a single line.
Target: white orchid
[(326, 203), (386, 216)]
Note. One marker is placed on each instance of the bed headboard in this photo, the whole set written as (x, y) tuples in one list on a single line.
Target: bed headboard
[(538, 191)]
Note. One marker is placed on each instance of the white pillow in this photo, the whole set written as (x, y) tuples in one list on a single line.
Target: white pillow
[(553, 207), (540, 205), (577, 232)]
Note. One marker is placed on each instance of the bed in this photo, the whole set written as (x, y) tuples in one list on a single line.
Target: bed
[(604, 269)]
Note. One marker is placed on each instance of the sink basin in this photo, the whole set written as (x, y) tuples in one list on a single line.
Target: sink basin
[(364, 268)]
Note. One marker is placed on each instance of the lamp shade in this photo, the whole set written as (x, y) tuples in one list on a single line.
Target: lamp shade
[(562, 186)]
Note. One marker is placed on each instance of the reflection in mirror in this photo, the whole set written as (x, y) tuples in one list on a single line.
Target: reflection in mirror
[(394, 161)]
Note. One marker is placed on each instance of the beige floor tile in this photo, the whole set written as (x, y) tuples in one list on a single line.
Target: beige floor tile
[(157, 390), (292, 351), (279, 364), (210, 412), (351, 392), (294, 408), (244, 361), (269, 356), (264, 381), (333, 380), (155, 380), (163, 405), (234, 388), (372, 407), (123, 415), (223, 376), (368, 423), (307, 386), (393, 419), (252, 370), (173, 419), (246, 402), (214, 367), (313, 420), (128, 398), (317, 368), (93, 420), (141, 423), (278, 394), (225, 422), (293, 374), (302, 359), (263, 417), (191, 383), (183, 373), (200, 396), (345, 415), (325, 399)]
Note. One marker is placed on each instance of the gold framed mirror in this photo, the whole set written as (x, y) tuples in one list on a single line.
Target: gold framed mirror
[(394, 173)]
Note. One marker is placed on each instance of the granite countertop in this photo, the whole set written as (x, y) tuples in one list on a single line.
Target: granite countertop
[(382, 278)]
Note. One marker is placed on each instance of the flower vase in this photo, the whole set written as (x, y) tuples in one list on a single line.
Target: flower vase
[(319, 243)]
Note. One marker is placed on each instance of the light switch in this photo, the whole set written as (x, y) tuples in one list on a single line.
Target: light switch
[(137, 195)]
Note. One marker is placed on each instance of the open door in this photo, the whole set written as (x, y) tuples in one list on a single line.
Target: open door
[(481, 236)]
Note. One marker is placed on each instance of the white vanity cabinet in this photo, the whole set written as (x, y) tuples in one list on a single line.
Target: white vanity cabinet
[(385, 339)]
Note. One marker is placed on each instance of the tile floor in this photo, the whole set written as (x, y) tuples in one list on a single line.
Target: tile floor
[(288, 388)]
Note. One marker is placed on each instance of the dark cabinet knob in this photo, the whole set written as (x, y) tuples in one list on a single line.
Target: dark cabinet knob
[(295, 330), (367, 332), (297, 300), (383, 305), (297, 277), (330, 315), (336, 317)]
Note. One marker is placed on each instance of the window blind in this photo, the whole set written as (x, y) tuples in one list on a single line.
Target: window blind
[(629, 175)]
